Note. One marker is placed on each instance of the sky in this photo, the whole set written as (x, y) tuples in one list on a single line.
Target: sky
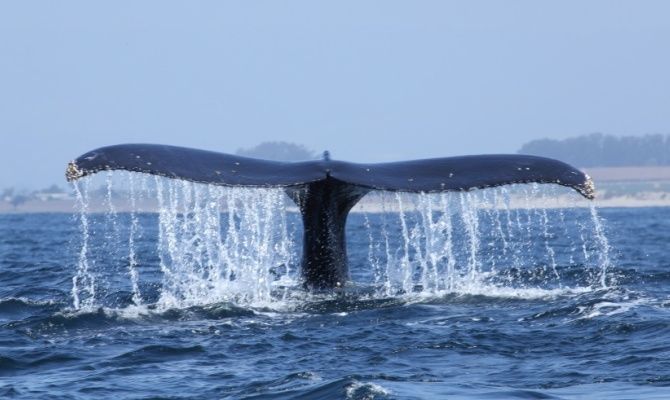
[(370, 81)]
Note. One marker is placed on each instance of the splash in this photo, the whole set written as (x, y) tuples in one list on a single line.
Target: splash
[(510, 242), (132, 237), (83, 282), (176, 244), (199, 262), (603, 246)]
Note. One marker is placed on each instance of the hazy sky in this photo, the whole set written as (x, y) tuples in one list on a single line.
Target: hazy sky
[(368, 80)]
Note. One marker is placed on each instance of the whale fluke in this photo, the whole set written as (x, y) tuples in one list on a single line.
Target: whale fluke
[(325, 190), (429, 175)]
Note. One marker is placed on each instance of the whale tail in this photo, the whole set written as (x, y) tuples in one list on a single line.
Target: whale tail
[(326, 190)]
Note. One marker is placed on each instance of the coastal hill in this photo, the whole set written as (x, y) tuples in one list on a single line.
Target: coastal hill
[(599, 150), (628, 170)]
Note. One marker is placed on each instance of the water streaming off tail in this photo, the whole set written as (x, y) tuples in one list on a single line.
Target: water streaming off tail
[(236, 256), (172, 243), (185, 244), (83, 282), (483, 242)]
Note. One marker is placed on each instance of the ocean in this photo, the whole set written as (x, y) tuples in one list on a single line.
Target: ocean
[(481, 295)]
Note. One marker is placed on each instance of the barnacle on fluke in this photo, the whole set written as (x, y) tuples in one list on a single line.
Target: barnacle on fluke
[(72, 172), (325, 190), (588, 189)]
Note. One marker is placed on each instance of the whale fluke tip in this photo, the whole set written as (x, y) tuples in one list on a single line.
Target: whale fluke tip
[(588, 189), (72, 172)]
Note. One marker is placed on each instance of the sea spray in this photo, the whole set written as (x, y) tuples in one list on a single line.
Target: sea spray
[(231, 244), (491, 245), (389, 264), (446, 230), (405, 265), (83, 282), (603, 248), (200, 264), (469, 209), (132, 252)]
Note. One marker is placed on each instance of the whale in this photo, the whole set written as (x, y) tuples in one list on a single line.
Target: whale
[(325, 190)]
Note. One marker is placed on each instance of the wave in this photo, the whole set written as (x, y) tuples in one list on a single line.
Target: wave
[(568, 303), (307, 385), (16, 305), (156, 353), (102, 317), (34, 360)]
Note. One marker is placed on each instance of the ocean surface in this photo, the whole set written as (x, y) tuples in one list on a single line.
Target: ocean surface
[(449, 298)]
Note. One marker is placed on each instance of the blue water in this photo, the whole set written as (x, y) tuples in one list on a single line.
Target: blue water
[(530, 328)]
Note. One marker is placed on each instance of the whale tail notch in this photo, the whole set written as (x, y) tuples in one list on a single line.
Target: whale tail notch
[(325, 190)]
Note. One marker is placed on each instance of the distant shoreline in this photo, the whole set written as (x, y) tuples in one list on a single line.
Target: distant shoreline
[(629, 174), (626, 187), (641, 200)]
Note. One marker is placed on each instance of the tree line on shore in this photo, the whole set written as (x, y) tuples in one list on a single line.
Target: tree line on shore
[(17, 197), (600, 150)]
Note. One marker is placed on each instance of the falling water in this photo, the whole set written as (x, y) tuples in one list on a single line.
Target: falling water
[(230, 244), (83, 282), (603, 245), (198, 262), (405, 265), (483, 241), (134, 231), (469, 209)]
